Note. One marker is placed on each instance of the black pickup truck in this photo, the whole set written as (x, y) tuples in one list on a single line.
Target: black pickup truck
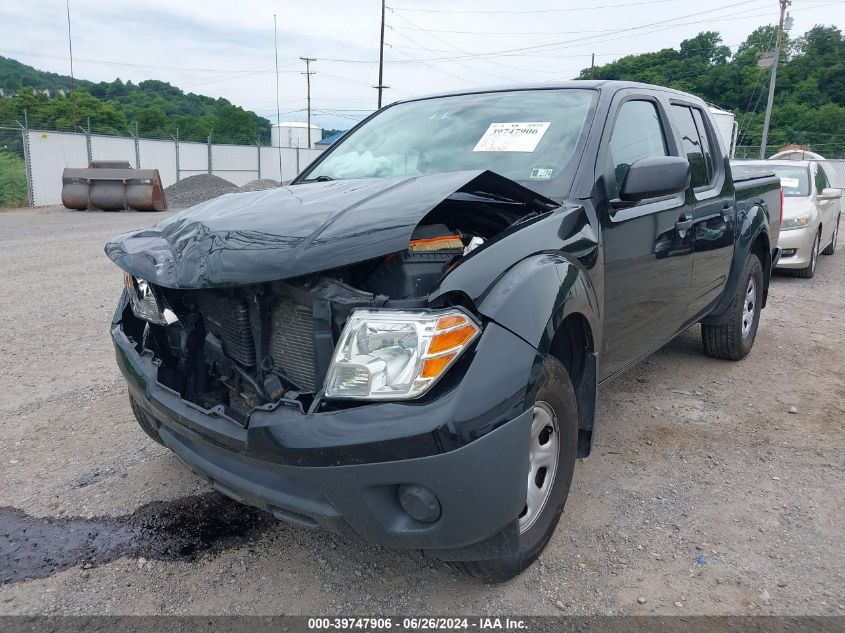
[(406, 342)]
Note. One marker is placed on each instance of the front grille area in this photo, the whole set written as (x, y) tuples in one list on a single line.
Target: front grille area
[(228, 319), (292, 343)]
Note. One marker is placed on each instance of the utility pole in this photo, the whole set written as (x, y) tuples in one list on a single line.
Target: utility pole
[(592, 66), (308, 74), (70, 49), (772, 79), (381, 85), (278, 114)]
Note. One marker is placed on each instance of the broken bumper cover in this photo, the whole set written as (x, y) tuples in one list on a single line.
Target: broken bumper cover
[(479, 484)]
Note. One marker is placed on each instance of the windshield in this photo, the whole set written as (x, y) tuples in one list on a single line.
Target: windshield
[(795, 181), (529, 136)]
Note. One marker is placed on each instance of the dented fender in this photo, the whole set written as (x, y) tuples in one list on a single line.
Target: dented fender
[(534, 277)]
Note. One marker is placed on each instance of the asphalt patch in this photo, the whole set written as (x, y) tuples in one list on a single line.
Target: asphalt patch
[(37, 547)]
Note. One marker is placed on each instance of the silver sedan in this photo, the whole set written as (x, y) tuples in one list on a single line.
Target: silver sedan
[(811, 211)]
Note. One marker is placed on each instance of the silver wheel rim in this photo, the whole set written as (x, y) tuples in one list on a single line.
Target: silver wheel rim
[(835, 236), (542, 464), (749, 307)]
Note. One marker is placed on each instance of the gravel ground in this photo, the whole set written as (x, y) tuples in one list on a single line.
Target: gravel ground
[(260, 184), (195, 189), (704, 494)]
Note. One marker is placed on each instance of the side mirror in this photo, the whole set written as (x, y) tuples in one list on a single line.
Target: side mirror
[(829, 193), (655, 176)]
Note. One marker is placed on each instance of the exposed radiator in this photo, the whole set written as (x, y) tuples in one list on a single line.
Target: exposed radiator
[(292, 343), (228, 319)]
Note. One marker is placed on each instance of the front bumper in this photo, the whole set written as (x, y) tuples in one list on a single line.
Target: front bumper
[(341, 470), (796, 247)]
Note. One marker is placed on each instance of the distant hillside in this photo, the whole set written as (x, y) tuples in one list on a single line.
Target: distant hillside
[(809, 104), (115, 107)]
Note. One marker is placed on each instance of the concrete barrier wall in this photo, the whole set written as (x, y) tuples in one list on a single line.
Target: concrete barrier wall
[(51, 152)]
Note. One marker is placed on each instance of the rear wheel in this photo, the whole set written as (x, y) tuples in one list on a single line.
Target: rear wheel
[(551, 456), (831, 248), (810, 269), (733, 339), (144, 422)]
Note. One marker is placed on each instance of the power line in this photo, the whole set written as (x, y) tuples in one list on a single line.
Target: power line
[(573, 42), (461, 64), (526, 11)]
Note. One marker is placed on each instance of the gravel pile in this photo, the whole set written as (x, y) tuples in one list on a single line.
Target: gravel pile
[(260, 184), (195, 189)]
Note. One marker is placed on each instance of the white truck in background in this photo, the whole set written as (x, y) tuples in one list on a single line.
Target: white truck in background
[(726, 124)]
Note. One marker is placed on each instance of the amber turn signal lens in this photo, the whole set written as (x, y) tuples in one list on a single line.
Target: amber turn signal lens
[(451, 339), (433, 367), (453, 320)]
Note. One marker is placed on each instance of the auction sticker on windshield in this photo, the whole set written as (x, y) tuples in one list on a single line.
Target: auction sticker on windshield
[(512, 137)]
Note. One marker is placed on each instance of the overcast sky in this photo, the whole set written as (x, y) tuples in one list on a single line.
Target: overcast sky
[(225, 48)]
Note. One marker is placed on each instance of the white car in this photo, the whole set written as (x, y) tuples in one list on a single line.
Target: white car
[(811, 211)]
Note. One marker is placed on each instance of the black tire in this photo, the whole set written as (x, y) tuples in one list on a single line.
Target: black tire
[(555, 391), (145, 423), (735, 338), (810, 270), (830, 249)]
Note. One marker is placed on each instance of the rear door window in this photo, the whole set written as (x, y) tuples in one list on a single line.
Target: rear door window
[(692, 146), (707, 150)]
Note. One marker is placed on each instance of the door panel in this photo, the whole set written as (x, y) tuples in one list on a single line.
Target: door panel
[(647, 271), (714, 209), (828, 208), (647, 253)]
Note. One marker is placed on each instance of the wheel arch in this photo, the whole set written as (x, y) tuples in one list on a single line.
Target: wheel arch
[(549, 301), (753, 238), (573, 345)]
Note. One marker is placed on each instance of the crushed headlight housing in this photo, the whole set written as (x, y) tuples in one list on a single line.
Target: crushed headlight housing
[(397, 355), (790, 224), (145, 305)]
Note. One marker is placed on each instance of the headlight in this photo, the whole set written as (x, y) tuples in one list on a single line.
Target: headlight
[(397, 355), (800, 222), (144, 303)]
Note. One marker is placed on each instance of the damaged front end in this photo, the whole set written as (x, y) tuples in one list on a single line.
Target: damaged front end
[(314, 296)]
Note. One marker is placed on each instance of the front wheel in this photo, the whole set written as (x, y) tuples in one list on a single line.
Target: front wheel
[(551, 459), (733, 339), (810, 269)]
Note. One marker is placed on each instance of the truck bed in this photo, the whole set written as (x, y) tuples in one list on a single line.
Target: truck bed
[(756, 187)]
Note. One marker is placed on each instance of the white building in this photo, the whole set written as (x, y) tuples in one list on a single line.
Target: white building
[(294, 134)]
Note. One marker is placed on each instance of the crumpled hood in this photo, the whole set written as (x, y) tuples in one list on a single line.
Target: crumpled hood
[(245, 238)]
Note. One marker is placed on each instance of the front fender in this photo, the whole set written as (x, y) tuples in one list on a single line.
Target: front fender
[(522, 279), (534, 297)]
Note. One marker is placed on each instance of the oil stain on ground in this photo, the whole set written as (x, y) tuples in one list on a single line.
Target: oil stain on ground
[(37, 547)]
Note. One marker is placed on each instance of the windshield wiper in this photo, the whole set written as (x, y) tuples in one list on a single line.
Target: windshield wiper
[(318, 179)]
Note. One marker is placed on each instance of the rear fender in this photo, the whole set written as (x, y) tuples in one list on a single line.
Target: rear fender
[(753, 221)]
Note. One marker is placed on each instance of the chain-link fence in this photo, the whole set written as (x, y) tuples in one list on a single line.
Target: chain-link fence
[(14, 177)]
